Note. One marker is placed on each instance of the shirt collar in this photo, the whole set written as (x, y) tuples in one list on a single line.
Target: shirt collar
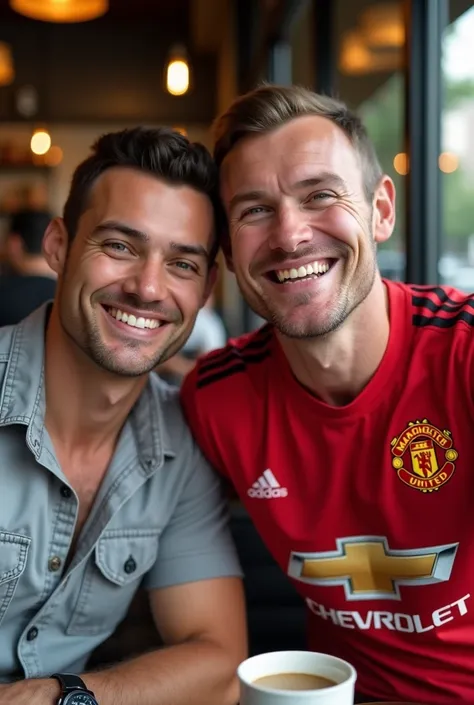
[(22, 396)]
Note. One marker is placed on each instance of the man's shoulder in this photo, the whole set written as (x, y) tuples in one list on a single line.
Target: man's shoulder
[(232, 370), (166, 395), (176, 432), (7, 334), (442, 308)]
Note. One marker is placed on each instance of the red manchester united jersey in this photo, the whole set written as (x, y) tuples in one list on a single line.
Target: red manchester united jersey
[(367, 507)]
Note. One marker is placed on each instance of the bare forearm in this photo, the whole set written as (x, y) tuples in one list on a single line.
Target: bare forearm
[(199, 672)]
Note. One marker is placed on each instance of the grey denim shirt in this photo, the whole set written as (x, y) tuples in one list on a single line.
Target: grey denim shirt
[(158, 520)]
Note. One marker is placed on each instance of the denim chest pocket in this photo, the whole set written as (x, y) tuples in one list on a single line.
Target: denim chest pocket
[(13, 554), (112, 575)]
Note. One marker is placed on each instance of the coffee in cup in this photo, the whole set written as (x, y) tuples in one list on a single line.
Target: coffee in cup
[(294, 681), (296, 678)]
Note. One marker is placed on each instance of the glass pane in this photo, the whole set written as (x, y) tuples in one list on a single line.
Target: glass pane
[(456, 161), (302, 47), (370, 80)]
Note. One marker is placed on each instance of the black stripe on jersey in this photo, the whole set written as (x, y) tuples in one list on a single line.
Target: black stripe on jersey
[(440, 293), (439, 322), (455, 310), (222, 357), (236, 366), (450, 306)]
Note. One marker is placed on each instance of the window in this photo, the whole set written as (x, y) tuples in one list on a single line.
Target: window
[(456, 161), (370, 51)]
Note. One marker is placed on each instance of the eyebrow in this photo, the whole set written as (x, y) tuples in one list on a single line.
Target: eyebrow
[(121, 228), (325, 177), (180, 248)]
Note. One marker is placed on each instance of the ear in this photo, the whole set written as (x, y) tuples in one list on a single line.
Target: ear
[(55, 245), (210, 282), (383, 210)]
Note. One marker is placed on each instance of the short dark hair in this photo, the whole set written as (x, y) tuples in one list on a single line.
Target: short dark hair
[(30, 225), (269, 106), (162, 152)]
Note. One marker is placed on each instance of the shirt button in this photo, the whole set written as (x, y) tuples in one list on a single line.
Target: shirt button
[(65, 491), (130, 565), (32, 634), (54, 563)]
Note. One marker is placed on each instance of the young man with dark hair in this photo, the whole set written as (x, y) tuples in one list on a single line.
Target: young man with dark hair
[(103, 489), (345, 424)]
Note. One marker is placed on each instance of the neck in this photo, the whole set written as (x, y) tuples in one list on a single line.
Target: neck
[(337, 367), (89, 410)]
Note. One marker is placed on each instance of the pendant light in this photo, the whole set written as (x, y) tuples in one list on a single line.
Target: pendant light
[(60, 10)]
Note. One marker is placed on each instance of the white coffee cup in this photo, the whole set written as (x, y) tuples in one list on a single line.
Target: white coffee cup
[(308, 662)]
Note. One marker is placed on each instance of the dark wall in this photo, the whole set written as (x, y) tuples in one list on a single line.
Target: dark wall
[(103, 72)]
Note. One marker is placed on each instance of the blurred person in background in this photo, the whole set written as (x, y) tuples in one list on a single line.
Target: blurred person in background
[(209, 333), (27, 280), (103, 488)]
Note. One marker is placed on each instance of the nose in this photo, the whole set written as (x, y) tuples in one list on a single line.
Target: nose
[(147, 281), (290, 229)]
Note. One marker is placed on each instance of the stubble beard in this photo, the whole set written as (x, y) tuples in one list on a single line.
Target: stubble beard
[(347, 301)]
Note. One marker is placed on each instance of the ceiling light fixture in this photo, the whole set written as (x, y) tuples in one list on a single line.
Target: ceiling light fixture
[(61, 10), (177, 71)]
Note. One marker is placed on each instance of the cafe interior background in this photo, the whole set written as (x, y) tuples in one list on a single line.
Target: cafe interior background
[(71, 70)]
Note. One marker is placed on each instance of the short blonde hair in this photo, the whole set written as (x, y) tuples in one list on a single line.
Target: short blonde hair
[(269, 107)]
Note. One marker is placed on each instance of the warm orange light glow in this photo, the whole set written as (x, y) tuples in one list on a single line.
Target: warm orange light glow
[(61, 10), (7, 73), (355, 57), (54, 156), (40, 141), (401, 164), (448, 162), (182, 130), (383, 26), (177, 77)]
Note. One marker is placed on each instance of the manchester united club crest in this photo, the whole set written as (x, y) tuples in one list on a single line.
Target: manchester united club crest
[(423, 456)]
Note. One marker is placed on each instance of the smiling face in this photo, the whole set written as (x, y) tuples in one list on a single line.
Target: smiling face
[(302, 234), (136, 273)]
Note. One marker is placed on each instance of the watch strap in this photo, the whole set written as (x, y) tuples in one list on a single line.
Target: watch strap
[(70, 681)]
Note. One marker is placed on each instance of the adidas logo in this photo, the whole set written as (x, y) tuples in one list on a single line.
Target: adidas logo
[(267, 487)]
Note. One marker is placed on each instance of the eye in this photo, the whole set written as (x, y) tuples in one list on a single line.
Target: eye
[(320, 197), (255, 210), (118, 247), (185, 266)]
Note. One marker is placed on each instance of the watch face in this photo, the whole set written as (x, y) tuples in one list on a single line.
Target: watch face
[(78, 697)]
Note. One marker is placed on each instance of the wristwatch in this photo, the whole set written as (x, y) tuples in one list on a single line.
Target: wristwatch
[(73, 690)]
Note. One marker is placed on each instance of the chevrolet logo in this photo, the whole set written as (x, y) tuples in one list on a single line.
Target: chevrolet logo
[(368, 569)]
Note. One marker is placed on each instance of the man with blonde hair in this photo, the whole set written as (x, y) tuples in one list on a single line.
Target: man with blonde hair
[(345, 423)]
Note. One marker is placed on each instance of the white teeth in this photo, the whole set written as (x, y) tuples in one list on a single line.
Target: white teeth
[(133, 321), (304, 271)]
